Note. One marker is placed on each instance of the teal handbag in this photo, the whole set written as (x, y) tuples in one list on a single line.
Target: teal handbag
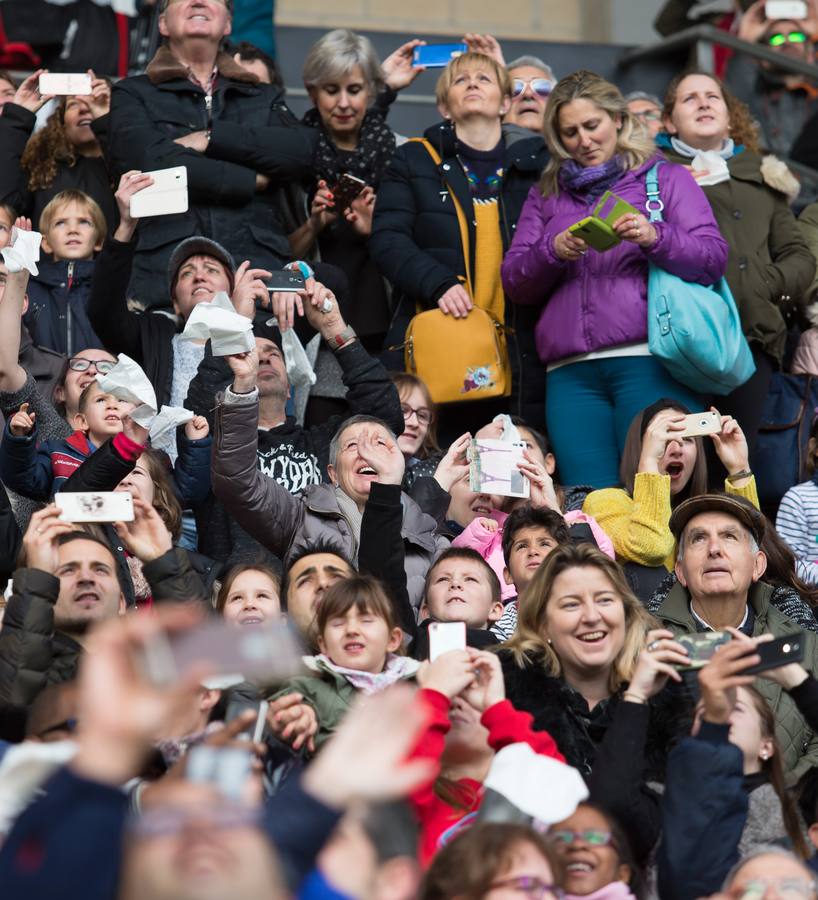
[(695, 331)]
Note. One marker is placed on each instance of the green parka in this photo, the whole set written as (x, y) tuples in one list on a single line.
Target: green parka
[(769, 264)]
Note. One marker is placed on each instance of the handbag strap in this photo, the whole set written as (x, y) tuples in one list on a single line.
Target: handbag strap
[(654, 205), (462, 222)]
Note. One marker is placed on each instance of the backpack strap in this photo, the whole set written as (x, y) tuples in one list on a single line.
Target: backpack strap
[(654, 205), (462, 222)]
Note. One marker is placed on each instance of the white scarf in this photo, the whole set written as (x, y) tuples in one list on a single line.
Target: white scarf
[(714, 162)]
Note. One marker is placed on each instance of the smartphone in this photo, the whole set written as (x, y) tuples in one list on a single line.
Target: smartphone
[(701, 647), (493, 468), (774, 654), (226, 768), (65, 83), (786, 9), (346, 190), (436, 56), (166, 196), (239, 705), (265, 653), (445, 636), (699, 424), (596, 233), (287, 280), (612, 207), (95, 506)]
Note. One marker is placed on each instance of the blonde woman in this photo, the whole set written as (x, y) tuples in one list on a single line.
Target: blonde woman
[(592, 328), (580, 633)]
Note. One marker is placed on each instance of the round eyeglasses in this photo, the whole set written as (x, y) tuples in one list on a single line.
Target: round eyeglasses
[(532, 887), (81, 364), (594, 837), (422, 413)]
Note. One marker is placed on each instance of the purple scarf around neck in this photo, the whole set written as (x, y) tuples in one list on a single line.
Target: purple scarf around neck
[(591, 180)]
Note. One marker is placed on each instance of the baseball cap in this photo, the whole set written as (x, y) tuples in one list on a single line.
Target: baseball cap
[(737, 507), (199, 246)]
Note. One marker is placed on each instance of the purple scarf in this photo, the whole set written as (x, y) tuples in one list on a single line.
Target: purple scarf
[(591, 180)]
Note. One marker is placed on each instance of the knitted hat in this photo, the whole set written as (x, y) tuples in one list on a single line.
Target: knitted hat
[(199, 246)]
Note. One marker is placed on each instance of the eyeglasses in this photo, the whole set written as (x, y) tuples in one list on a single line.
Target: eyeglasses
[(648, 115), (424, 415), (530, 886), (786, 889), (540, 86), (794, 37), (591, 836), (165, 821), (81, 364)]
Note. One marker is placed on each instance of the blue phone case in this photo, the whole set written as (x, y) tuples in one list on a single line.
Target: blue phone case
[(436, 56)]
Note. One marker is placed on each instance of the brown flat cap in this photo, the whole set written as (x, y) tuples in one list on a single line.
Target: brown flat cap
[(737, 507)]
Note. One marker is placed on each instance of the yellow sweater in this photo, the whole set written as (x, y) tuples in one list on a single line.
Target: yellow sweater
[(488, 255), (638, 525)]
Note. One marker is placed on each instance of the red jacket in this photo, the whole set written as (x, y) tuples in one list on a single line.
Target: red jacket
[(506, 725)]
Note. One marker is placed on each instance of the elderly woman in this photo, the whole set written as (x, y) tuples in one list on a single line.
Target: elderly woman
[(592, 329), (769, 264), (416, 240), (344, 78)]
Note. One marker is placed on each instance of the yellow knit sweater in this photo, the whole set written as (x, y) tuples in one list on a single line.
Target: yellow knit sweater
[(638, 525)]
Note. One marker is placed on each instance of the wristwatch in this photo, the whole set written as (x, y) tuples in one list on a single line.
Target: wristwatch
[(745, 473), (337, 341)]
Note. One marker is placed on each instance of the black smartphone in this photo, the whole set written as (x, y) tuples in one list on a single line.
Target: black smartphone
[(346, 190), (287, 280), (777, 653)]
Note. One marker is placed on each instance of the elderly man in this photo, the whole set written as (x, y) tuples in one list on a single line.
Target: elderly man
[(647, 108), (196, 107), (363, 450), (719, 567), (531, 83)]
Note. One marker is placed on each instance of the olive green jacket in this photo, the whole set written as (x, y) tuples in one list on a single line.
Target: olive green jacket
[(769, 264), (798, 743)]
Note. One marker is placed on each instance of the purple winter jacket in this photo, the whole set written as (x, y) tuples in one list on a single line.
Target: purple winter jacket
[(600, 300)]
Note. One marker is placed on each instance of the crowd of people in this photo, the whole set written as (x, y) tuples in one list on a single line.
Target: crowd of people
[(267, 631)]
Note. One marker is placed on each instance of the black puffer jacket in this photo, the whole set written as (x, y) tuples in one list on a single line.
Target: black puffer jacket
[(561, 711), (252, 132), (416, 238), (34, 655)]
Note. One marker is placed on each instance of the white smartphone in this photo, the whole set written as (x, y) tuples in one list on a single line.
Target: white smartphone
[(445, 636), (786, 9), (700, 424), (166, 196), (65, 83), (95, 506), (264, 653)]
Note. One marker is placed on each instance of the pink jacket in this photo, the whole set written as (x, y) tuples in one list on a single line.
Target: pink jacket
[(489, 544)]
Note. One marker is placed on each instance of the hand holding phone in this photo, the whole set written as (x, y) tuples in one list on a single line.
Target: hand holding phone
[(166, 196), (345, 190), (436, 56), (700, 424), (63, 84), (446, 636), (702, 646), (95, 506)]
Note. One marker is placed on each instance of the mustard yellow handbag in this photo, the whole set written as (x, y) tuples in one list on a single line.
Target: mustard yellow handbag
[(458, 359)]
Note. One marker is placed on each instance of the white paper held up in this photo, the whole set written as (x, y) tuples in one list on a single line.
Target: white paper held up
[(217, 321)]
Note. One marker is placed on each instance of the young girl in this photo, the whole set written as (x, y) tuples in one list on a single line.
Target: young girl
[(250, 594), (471, 720), (797, 518), (360, 644)]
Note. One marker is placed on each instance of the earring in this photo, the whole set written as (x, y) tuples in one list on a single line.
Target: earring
[(765, 755), (550, 642)]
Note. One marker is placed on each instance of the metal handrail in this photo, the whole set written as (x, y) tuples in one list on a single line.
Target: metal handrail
[(711, 35)]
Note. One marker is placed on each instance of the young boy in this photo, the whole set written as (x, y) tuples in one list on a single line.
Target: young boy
[(460, 587), (529, 535), (73, 228), (39, 471)]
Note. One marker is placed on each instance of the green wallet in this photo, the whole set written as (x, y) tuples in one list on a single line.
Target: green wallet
[(596, 230)]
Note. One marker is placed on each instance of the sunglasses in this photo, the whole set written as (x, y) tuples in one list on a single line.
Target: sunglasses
[(786, 889), (81, 364), (591, 836), (540, 86), (648, 116), (794, 37), (165, 821)]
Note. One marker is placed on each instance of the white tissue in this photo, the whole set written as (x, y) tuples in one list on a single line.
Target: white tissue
[(23, 251), (217, 321), (127, 381), (299, 370), (510, 430)]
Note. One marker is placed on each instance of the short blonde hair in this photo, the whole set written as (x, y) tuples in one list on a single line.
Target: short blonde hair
[(531, 640), (63, 199), (633, 142), (467, 62)]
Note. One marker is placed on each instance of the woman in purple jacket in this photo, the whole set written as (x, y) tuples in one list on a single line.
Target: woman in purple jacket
[(592, 331)]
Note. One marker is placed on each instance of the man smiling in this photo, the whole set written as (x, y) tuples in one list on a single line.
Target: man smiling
[(719, 566)]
